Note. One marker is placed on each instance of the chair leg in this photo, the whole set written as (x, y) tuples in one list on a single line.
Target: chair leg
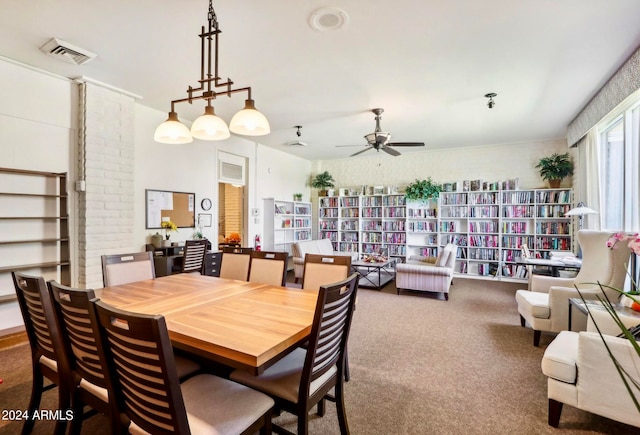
[(321, 408), (64, 404), (303, 422), (75, 426), (536, 338), (342, 415), (347, 375), (555, 409), (36, 395), (296, 280), (446, 296), (522, 321)]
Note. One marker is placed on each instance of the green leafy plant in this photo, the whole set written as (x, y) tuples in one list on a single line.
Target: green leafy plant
[(423, 189), (555, 167), (322, 181), (297, 196)]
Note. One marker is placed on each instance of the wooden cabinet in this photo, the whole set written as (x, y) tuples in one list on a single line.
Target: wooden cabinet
[(34, 225)]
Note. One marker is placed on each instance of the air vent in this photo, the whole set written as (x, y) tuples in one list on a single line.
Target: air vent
[(67, 52)]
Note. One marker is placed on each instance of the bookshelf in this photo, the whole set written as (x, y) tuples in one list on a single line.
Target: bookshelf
[(489, 227), (285, 222)]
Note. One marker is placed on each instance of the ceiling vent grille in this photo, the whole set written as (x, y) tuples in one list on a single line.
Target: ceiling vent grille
[(69, 53)]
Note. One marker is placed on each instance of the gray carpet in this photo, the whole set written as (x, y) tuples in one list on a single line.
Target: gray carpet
[(419, 365)]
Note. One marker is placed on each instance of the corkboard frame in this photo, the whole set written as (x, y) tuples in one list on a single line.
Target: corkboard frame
[(178, 207)]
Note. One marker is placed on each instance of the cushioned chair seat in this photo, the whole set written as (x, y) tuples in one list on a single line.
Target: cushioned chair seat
[(533, 304), (560, 357), (320, 247)]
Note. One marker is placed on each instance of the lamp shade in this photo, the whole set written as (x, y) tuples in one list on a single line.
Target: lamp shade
[(172, 131), (249, 121), (209, 126), (580, 211), (378, 137)]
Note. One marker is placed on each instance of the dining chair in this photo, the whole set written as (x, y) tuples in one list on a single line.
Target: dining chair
[(235, 263), (89, 380), (124, 268), (304, 377), (47, 357), (324, 269), (193, 259), (268, 268), (147, 391)]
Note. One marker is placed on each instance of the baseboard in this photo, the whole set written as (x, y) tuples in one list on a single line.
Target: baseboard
[(12, 336)]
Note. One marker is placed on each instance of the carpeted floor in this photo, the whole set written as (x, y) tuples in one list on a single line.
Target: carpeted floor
[(419, 365)]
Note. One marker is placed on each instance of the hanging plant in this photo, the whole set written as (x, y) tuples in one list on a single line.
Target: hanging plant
[(423, 190)]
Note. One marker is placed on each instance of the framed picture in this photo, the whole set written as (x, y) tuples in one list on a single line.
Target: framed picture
[(204, 219)]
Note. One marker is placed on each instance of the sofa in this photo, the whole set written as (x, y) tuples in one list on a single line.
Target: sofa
[(320, 246)]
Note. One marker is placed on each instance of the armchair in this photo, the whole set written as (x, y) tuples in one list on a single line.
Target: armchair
[(416, 274), (581, 373), (544, 306), (321, 246)]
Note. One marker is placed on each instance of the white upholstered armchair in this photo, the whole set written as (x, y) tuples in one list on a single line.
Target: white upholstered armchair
[(320, 246), (581, 373), (544, 306), (416, 274)]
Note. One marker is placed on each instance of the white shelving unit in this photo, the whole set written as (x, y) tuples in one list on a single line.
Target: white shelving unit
[(422, 228), (394, 219), (285, 222)]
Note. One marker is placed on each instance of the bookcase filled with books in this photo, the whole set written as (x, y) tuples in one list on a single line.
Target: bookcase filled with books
[(394, 232), (370, 224), (285, 222), (453, 226), (349, 233), (422, 228), (483, 254), (329, 219)]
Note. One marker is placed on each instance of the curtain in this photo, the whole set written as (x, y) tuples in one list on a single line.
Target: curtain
[(589, 178)]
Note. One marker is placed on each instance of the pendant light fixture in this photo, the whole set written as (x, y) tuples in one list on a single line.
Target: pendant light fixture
[(249, 121)]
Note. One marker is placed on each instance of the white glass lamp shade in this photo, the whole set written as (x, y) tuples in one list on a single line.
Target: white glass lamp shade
[(378, 137), (580, 211), (209, 126), (172, 131), (249, 122)]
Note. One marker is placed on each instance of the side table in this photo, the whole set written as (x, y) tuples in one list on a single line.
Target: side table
[(581, 306)]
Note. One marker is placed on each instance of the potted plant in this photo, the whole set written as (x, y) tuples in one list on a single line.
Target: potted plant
[(297, 196), (554, 168), (322, 181), (422, 190), (168, 226)]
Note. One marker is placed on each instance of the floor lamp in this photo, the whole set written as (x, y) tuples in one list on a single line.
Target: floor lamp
[(580, 211)]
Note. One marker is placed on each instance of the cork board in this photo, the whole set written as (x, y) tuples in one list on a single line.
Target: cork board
[(178, 207)]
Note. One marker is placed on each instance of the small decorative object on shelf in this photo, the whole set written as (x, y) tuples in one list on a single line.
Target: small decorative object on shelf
[(554, 168), (297, 196), (322, 181), (423, 190), (168, 226), (374, 258)]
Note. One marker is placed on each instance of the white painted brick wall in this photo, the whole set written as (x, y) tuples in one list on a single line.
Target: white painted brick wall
[(106, 212)]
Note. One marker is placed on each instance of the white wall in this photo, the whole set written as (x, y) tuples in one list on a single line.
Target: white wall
[(37, 132)]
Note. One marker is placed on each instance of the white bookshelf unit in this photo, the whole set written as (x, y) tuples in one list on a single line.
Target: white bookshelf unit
[(285, 222), (489, 227)]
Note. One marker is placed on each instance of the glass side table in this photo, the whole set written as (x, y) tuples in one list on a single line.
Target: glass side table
[(581, 307)]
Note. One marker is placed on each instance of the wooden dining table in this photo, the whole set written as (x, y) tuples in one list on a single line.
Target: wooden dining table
[(240, 324)]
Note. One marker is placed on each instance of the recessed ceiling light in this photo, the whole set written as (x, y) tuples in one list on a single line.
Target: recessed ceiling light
[(327, 19)]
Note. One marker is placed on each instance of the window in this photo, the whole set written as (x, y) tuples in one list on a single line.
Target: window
[(619, 162)]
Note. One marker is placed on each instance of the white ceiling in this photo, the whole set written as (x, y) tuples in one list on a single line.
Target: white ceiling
[(428, 63)]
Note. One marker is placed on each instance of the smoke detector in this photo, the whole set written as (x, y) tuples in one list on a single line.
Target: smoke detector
[(67, 52), (327, 19)]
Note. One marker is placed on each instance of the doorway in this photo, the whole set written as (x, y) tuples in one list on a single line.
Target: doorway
[(230, 212)]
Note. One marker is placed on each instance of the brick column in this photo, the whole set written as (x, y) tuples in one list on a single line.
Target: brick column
[(106, 160)]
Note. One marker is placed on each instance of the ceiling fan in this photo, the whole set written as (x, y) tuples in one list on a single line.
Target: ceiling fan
[(379, 140)]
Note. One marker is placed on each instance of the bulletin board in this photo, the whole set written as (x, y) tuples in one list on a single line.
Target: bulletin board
[(178, 207)]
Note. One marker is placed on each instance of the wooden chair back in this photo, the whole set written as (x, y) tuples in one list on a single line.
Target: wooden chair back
[(146, 386), (235, 263), (124, 268), (48, 358), (194, 255), (324, 269), (268, 268), (76, 319), (328, 339)]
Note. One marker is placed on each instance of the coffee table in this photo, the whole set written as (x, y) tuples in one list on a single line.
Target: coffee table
[(375, 275)]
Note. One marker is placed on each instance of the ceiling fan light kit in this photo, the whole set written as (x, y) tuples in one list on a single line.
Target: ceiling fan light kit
[(248, 122), (379, 140)]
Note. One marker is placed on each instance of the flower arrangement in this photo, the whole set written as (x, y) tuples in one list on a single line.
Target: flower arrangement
[(633, 241), (168, 226), (233, 238)]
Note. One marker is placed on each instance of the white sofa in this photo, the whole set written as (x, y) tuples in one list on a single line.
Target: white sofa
[(581, 373), (320, 246)]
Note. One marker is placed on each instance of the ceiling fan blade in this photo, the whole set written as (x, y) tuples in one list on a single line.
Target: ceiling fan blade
[(406, 144), (348, 146), (391, 151), (360, 152)]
